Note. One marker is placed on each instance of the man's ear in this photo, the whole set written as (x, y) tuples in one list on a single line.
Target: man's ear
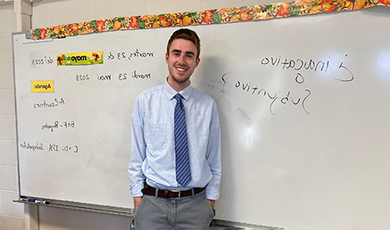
[(197, 62)]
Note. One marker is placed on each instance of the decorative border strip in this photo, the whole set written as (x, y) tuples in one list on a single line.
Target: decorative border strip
[(216, 16)]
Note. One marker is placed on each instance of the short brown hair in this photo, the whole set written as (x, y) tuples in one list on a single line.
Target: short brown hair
[(186, 34)]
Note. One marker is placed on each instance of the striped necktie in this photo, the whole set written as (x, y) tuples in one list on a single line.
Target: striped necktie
[(183, 169)]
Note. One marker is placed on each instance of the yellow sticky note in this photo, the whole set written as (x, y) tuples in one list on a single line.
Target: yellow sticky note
[(42, 86)]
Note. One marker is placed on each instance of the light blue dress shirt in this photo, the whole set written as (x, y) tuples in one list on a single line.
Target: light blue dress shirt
[(153, 147)]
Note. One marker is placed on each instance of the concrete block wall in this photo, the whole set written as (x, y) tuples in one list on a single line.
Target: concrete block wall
[(11, 214)]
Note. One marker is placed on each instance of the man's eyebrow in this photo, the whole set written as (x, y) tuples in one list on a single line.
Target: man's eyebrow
[(190, 52), (179, 51)]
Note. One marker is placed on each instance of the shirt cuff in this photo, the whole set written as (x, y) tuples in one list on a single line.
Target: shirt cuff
[(136, 189), (212, 193)]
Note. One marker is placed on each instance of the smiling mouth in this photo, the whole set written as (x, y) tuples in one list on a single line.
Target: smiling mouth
[(181, 69)]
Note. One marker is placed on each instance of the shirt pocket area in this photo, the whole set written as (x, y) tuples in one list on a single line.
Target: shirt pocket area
[(156, 136)]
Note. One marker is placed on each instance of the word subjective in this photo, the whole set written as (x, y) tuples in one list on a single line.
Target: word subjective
[(296, 97)]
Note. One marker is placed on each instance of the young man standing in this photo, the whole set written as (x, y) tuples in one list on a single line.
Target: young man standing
[(175, 166)]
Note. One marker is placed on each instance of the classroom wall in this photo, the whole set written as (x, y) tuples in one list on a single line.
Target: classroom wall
[(11, 214), (51, 13)]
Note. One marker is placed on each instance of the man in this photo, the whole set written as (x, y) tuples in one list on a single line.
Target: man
[(175, 166)]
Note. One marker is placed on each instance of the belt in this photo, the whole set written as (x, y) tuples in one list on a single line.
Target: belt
[(148, 190)]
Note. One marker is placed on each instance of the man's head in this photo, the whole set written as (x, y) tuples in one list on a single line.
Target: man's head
[(185, 34), (182, 57)]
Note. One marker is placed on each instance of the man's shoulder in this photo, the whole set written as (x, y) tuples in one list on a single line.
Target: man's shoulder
[(147, 93), (202, 96)]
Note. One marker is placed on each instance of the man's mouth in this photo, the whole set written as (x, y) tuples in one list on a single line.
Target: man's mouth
[(181, 69)]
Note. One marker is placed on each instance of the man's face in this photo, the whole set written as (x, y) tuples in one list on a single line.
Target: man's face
[(182, 62)]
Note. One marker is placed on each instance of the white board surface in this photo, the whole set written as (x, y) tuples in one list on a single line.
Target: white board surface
[(303, 105)]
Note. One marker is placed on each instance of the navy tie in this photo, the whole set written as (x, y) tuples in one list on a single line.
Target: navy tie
[(183, 169)]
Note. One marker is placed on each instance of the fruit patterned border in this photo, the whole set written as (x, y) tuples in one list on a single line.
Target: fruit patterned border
[(216, 16)]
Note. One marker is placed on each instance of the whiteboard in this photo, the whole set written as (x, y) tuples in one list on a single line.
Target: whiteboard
[(303, 109)]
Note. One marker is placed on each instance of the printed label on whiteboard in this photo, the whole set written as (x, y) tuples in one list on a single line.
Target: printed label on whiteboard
[(42, 86), (84, 58)]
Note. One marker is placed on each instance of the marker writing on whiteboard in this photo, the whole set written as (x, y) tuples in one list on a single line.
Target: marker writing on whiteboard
[(295, 97)]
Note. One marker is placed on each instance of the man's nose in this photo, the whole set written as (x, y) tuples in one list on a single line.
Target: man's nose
[(181, 59)]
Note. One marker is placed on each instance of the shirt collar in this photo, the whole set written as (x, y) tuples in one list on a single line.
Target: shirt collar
[(170, 92)]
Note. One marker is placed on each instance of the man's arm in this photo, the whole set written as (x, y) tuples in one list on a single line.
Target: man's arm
[(138, 154), (214, 158)]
